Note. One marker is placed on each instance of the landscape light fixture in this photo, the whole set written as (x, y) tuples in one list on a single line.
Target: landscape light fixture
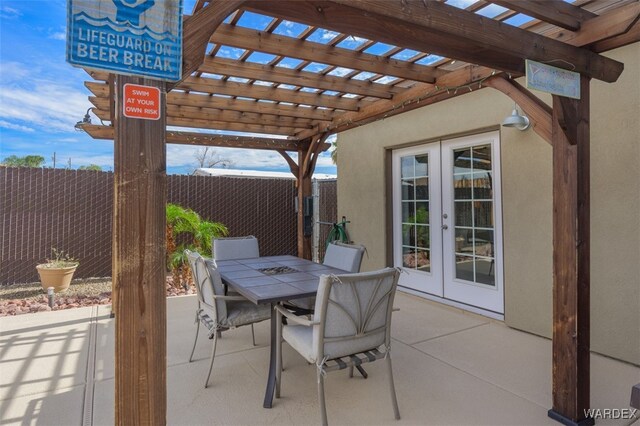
[(85, 120), (520, 122)]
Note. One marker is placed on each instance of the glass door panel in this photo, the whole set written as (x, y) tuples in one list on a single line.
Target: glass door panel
[(470, 193), (416, 177), (473, 204)]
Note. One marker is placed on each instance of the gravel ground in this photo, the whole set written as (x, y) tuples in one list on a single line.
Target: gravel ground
[(19, 299)]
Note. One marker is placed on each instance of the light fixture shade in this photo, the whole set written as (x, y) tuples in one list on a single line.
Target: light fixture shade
[(516, 120)]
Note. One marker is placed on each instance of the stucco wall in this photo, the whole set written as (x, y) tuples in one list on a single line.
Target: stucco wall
[(527, 201)]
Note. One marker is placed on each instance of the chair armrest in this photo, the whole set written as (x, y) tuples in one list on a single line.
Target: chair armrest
[(295, 318)]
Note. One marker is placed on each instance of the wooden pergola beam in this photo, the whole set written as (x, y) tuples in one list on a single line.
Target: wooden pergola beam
[(442, 29), (232, 125), (258, 91), (212, 115), (631, 36), (197, 30), (211, 139), (623, 21), (216, 102), (604, 27), (225, 103), (556, 12), (245, 90), (246, 38), (296, 78), (451, 85), (239, 117)]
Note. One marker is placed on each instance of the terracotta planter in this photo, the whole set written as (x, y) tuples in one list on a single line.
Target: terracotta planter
[(58, 278)]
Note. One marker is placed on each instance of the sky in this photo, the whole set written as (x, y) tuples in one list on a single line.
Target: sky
[(42, 97)]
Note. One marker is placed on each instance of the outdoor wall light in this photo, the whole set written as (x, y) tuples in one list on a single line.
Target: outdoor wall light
[(85, 120), (520, 122)]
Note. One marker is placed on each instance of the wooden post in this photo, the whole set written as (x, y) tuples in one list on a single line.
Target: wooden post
[(304, 190), (570, 133), (139, 264)]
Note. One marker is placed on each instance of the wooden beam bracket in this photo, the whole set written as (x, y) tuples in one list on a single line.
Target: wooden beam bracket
[(539, 113), (292, 164)]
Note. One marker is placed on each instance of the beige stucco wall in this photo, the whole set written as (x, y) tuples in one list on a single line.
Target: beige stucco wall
[(527, 201)]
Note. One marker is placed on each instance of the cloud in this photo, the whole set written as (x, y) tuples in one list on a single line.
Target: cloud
[(328, 35), (7, 12), (58, 36), (40, 100), (184, 156), (340, 71), (13, 126), (50, 106), (13, 71)]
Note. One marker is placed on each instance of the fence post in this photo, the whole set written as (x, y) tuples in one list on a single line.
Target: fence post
[(315, 192)]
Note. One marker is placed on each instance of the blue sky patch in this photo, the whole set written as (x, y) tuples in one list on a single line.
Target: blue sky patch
[(290, 29), (323, 36), (254, 21)]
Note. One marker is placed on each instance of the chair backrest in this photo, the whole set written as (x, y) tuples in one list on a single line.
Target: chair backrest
[(235, 248), (208, 283), (354, 312), (347, 257)]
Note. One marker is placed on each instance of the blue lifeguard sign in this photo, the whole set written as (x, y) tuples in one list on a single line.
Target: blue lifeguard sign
[(135, 37)]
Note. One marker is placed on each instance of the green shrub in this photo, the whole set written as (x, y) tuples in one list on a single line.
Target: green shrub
[(194, 233)]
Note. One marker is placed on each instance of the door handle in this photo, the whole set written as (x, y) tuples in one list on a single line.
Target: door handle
[(445, 227)]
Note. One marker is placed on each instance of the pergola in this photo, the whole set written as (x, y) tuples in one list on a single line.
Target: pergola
[(348, 63)]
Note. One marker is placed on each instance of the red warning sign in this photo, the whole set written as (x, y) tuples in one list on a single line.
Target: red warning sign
[(141, 102)]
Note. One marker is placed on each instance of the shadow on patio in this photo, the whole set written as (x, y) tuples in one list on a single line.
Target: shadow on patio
[(450, 367)]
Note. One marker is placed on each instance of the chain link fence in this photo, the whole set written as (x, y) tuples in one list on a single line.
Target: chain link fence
[(325, 194), (71, 210)]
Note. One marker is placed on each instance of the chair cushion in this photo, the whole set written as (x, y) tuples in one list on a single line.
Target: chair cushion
[(300, 338), (243, 312), (355, 345)]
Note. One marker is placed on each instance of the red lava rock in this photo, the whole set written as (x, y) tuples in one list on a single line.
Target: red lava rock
[(40, 304)]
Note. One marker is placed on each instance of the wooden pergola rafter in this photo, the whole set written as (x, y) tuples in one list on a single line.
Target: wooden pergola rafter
[(354, 62)]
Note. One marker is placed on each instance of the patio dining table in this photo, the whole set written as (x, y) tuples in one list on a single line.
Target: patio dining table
[(273, 279)]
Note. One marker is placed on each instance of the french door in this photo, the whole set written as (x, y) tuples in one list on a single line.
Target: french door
[(447, 220)]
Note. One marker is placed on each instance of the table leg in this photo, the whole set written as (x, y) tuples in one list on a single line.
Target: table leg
[(271, 381)]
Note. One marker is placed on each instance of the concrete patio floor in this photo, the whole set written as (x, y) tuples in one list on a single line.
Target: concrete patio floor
[(451, 368)]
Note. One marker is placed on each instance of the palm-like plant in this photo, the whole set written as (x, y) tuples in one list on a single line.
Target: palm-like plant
[(187, 230)]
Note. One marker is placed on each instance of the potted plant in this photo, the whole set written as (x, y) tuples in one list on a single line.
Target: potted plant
[(58, 271)]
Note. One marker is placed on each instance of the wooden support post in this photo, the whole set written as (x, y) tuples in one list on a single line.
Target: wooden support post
[(307, 159), (304, 190), (139, 264), (570, 133)]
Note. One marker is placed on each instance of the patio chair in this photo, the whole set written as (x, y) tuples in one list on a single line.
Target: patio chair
[(217, 311), (347, 257), (351, 326), (234, 248)]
